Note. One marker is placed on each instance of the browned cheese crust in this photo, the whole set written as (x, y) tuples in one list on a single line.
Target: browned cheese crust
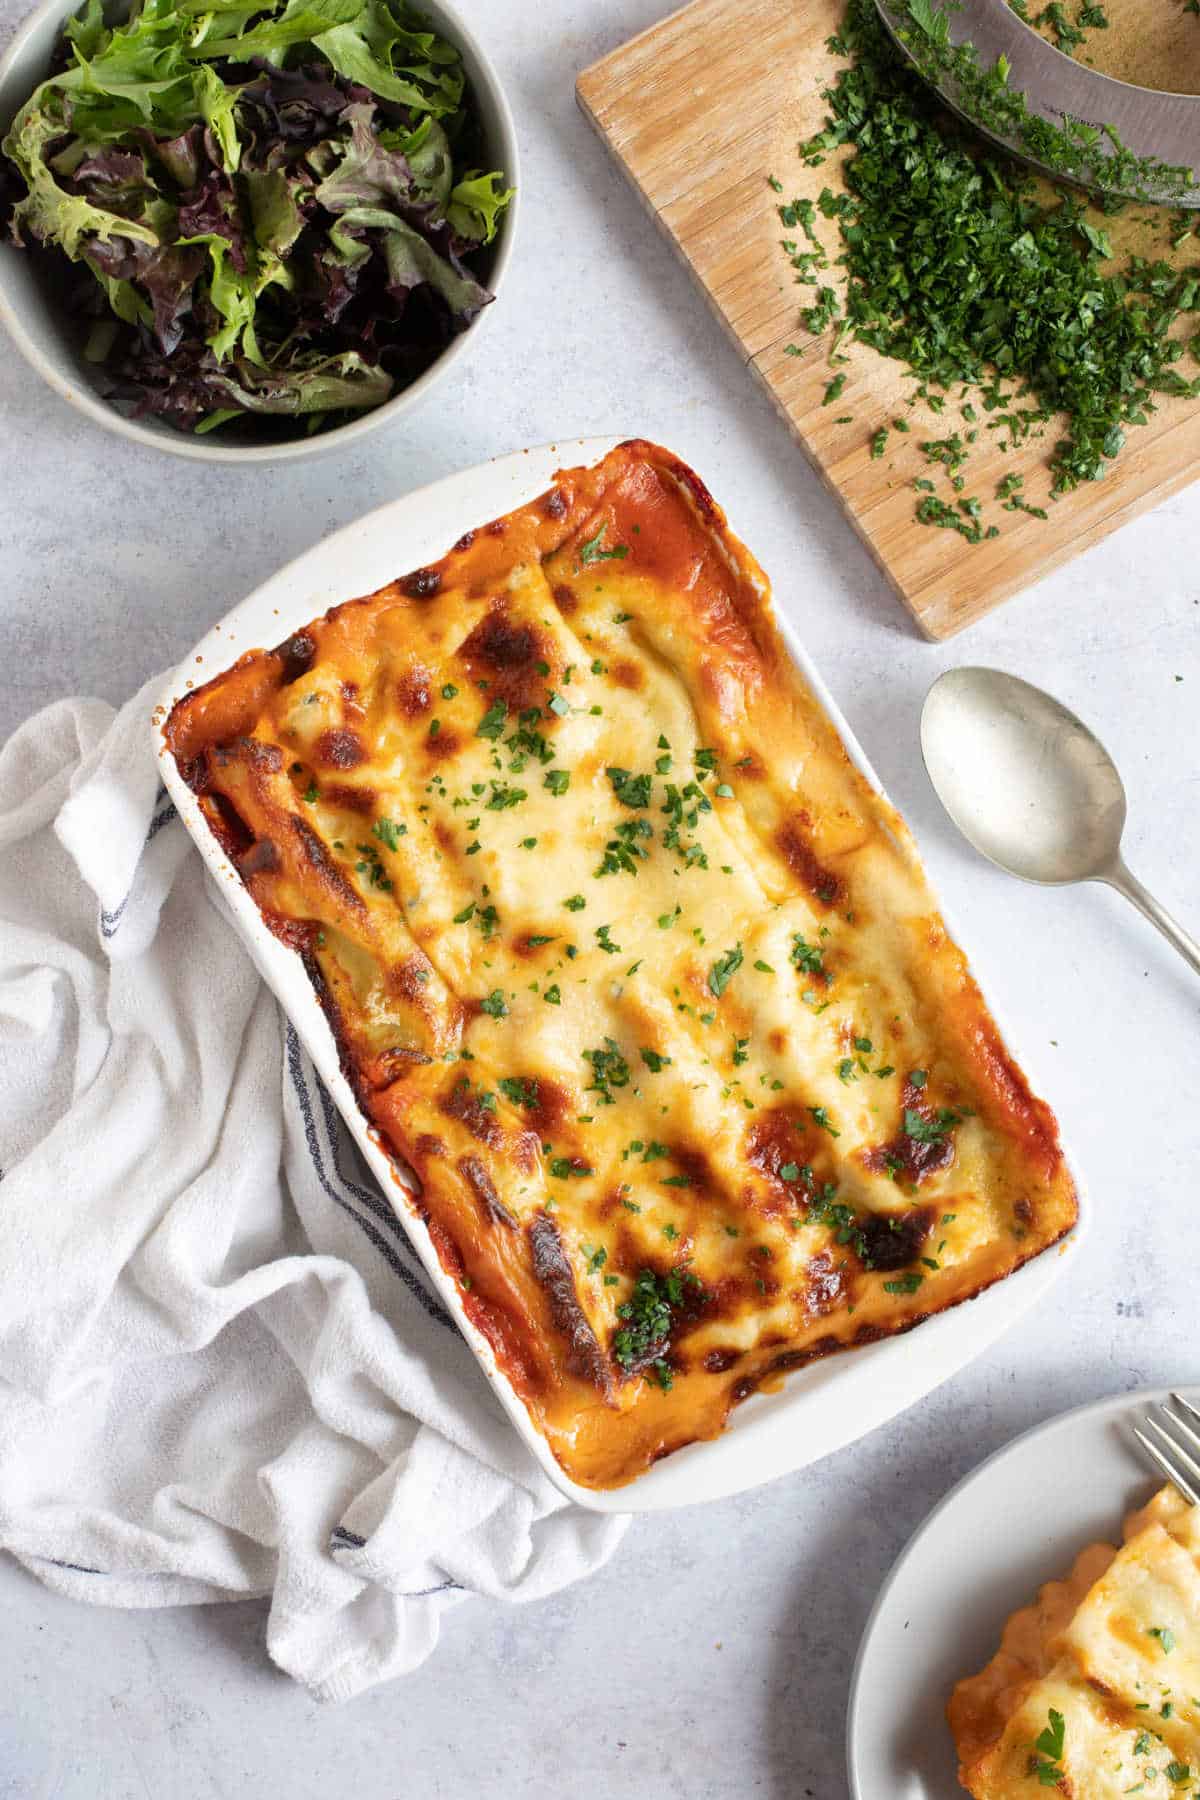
[(627, 962)]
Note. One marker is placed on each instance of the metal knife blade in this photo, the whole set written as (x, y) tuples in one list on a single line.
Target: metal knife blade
[(1165, 127)]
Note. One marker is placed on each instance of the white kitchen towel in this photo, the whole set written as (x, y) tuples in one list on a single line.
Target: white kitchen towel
[(222, 1370)]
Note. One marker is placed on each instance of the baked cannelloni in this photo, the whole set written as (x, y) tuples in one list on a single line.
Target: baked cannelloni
[(1093, 1691), (627, 963)]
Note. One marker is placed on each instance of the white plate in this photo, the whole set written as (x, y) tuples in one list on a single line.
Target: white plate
[(1017, 1521), (819, 1409)]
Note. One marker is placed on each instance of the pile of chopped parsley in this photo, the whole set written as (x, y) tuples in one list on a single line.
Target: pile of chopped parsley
[(999, 293)]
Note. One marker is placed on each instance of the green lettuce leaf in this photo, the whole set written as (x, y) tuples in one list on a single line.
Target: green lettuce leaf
[(475, 205), (323, 384), (49, 212), (274, 209)]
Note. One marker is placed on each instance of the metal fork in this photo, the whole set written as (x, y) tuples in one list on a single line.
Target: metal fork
[(1175, 1446)]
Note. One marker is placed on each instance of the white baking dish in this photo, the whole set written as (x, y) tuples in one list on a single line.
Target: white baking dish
[(818, 1409)]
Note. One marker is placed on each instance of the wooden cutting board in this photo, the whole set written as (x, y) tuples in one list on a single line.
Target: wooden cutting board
[(700, 110)]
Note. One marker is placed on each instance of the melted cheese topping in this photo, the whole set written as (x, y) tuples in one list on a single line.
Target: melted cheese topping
[(627, 962), (1114, 1651)]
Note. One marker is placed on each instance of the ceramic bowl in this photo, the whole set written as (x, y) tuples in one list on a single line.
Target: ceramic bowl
[(32, 308)]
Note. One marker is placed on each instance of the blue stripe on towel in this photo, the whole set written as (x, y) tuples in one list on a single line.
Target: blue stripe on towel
[(341, 1539), (433, 1307), (109, 921)]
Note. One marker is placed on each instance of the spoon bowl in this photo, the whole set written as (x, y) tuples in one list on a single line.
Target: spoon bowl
[(1031, 787), (1025, 781)]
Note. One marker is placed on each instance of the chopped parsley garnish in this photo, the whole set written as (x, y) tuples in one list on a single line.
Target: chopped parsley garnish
[(723, 971), (388, 833), (631, 790), (820, 1116), (591, 552), (503, 797), (492, 723), (372, 867), (918, 1077), (929, 1131), (468, 912), (963, 257), (576, 903), (449, 691), (1165, 1636), (623, 852), (567, 1168), (310, 793), (904, 1284), (553, 995), (494, 1005), (648, 1317), (789, 1171), (595, 1256), (654, 1062), (676, 1181), (557, 780), (601, 935), (521, 1090), (609, 1070), (807, 957), (1049, 1744)]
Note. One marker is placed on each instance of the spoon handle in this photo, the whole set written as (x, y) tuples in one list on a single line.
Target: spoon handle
[(1131, 887)]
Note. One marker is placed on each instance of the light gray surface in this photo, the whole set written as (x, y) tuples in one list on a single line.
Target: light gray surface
[(712, 1657)]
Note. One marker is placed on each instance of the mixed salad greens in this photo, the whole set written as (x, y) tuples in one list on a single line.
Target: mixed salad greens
[(272, 202)]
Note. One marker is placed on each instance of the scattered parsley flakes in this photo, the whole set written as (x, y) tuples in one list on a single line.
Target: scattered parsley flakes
[(520, 1090), (809, 958), (1050, 1745), (630, 790), (723, 971), (609, 1070), (591, 552), (820, 1116), (492, 723), (907, 1283)]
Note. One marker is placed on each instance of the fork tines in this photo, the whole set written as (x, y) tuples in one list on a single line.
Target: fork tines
[(1175, 1446)]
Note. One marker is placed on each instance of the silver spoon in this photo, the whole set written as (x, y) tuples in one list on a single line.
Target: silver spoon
[(1030, 787)]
